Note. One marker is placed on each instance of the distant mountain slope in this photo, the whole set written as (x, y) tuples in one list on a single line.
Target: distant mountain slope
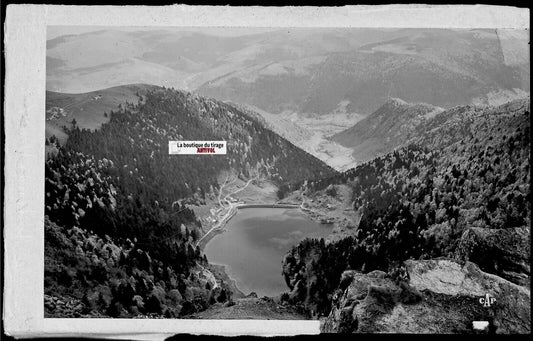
[(478, 124), (309, 132), (282, 126), (172, 57), (385, 129), (442, 67), (300, 70)]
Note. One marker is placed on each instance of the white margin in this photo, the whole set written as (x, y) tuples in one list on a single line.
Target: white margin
[(25, 43)]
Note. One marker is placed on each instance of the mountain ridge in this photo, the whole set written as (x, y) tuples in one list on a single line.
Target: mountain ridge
[(390, 126), (362, 66)]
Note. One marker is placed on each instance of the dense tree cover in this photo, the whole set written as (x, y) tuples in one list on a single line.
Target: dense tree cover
[(120, 179), (470, 167), (121, 182), (121, 280), (312, 270), (88, 193)]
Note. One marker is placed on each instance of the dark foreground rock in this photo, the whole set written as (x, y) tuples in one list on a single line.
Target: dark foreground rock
[(505, 252), (439, 296)]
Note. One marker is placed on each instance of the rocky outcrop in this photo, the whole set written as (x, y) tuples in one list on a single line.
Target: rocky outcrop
[(505, 252), (437, 296)]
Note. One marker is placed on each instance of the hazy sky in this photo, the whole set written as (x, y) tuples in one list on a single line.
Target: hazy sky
[(56, 31)]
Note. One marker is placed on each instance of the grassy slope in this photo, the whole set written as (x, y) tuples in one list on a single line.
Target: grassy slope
[(85, 109)]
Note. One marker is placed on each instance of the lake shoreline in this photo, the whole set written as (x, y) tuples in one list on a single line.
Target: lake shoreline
[(210, 235), (256, 242), (219, 271)]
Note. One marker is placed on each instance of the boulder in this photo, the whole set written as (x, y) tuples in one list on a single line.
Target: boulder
[(440, 296), (504, 252), (511, 312), (359, 302)]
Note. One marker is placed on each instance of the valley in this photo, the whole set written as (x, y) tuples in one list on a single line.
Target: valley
[(184, 206), (326, 206), (375, 180), (307, 93), (310, 132)]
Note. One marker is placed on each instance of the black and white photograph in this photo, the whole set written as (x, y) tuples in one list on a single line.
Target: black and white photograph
[(372, 179)]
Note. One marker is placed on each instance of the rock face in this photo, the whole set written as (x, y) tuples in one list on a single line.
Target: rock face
[(505, 252), (440, 296)]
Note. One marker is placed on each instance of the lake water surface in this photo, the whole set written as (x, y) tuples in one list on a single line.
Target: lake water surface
[(254, 243)]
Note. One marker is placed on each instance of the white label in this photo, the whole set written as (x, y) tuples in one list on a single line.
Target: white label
[(197, 147), (480, 325)]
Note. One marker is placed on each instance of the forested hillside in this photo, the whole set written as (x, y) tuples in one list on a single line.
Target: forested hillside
[(468, 175), (120, 183), (390, 126)]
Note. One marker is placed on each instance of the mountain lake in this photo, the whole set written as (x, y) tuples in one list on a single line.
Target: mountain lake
[(254, 242)]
